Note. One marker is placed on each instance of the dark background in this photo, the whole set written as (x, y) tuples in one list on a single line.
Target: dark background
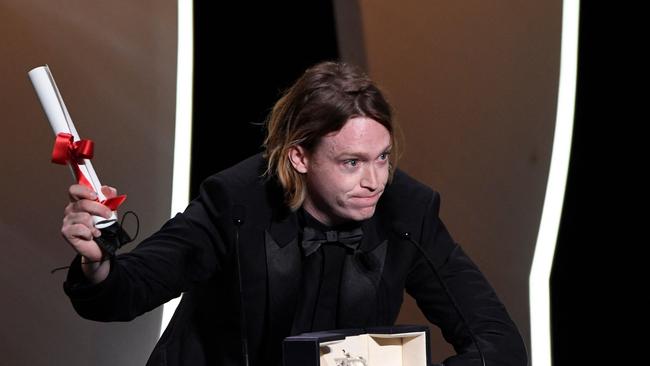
[(592, 311), (243, 61)]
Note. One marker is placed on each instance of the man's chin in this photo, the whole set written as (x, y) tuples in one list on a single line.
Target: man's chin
[(364, 213)]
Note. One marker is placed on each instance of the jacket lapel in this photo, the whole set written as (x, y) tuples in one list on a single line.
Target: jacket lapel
[(283, 263)]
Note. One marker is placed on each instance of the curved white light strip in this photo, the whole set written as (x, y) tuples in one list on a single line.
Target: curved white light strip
[(540, 321), (183, 129)]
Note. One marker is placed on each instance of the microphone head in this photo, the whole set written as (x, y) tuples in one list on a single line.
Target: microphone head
[(402, 230), (238, 214)]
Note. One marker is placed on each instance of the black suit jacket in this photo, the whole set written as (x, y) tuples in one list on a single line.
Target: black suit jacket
[(194, 253)]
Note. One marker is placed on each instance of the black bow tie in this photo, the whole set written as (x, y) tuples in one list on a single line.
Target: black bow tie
[(312, 238)]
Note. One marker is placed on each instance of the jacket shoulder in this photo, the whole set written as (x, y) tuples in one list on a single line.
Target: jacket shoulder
[(246, 185), (406, 199), (408, 191), (240, 178)]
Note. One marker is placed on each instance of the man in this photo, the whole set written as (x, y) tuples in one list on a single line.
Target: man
[(307, 236)]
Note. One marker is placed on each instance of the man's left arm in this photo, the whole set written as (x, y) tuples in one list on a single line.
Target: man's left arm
[(486, 315)]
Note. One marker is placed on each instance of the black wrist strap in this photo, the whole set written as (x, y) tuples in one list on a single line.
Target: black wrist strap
[(113, 237)]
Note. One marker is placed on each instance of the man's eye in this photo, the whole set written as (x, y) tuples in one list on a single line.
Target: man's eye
[(352, 162), (383, 156)]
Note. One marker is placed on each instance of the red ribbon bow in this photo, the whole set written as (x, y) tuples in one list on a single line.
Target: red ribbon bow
[(68, 151)]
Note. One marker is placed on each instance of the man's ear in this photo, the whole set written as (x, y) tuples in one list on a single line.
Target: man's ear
[(298, 158)]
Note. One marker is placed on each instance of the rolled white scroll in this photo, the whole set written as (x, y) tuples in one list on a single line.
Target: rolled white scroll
[(60, 120)]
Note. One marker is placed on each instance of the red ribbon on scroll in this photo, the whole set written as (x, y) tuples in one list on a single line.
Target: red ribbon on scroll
[(68, 151)]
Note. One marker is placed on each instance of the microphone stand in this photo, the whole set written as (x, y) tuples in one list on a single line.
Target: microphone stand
[(238, 220)]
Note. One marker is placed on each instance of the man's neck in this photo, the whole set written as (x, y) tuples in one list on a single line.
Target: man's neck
[(326, 221), (319, 216)]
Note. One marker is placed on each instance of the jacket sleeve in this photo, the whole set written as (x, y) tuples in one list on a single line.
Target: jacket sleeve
[(190, 248), (487, 317)]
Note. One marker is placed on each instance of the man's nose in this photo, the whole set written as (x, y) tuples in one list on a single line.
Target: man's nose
[(369, 179)]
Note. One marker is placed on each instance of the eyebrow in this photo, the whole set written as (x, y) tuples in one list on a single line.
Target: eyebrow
[(360, 154)]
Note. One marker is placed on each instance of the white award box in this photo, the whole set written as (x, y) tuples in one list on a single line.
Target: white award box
[(405, 345)]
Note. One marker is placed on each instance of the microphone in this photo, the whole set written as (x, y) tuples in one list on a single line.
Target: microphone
[(238, 217), (406, 235)]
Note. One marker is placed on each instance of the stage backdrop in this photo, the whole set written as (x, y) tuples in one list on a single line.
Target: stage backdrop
[(474, 87), (115, 65)]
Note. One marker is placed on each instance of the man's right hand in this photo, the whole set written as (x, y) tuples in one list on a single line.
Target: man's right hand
[(79, 230)]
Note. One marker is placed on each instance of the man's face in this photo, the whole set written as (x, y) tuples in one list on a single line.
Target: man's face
[(347, 171)]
